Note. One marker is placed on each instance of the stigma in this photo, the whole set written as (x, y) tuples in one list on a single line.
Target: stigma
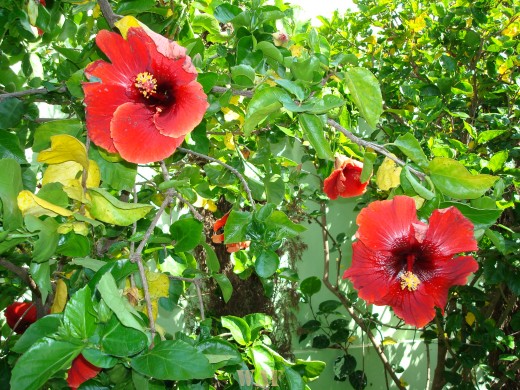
[(409, 281), (146, 84)]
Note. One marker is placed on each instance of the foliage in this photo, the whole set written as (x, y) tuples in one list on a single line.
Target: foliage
[(425, 94)]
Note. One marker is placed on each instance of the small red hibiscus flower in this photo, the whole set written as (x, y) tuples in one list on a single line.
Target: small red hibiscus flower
[(81, 371), (19, 315), (345, 179), (143, 103), (404, 263), (219, 238)]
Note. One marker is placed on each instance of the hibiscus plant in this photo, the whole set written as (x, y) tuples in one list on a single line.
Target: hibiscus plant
[(160, 161)]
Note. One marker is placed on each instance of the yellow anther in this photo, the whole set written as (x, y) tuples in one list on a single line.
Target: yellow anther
[(146, 84), (409, 281)]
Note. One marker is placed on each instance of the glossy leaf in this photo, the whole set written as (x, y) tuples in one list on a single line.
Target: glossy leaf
[(366, 94), (10, 186), (186, 234), (266, 263), (263, 103), (173, 360), (225, 286), (236, 226), (453, 179), (239, 329), (44, 327), (412, 149), (10, 147), (314, 132), (219, 353), (118, 340), (310, 286), (78, 318)]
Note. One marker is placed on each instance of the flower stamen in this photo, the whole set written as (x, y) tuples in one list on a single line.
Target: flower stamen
[(409, 281), (146, 84)]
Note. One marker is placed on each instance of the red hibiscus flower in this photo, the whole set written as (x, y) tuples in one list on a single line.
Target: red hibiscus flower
[(146, 100), (219, 238), (81, 371), (345, 179), (20, 315), (404, 263)]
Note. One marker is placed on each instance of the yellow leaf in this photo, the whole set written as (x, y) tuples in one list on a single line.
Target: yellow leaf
[(417, 24), (512, 30), (78, 228), (351, 339), (296, 50), (388, 175), (60, 297), (30, 204), (470, 318), (389, 341), (69, 173), (124, 24), (63, 148), (158, 284), (418, 201), (229, 141)]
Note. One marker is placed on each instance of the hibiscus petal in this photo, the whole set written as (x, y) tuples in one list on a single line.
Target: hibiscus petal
[(81, 371), (448, 273), (371, 272), (414, 307), (185, 113), (101, 102), (128, 56), (351, 183), (330, 186), (386, 225), (136, 138), (219, 223), (450, 233), (108, 74)]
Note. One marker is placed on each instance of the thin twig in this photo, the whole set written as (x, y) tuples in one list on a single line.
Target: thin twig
[(239, 92), (228, 167), (108, 13), (428, 366), (348, 305), (23, 274), (34, 91), (378, 148), (197, 282)]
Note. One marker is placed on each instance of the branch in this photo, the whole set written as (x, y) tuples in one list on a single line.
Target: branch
[(229, 167), (34, 91), (348, 305), (239, 92), (108, 13), (378, 148), (23, 274)]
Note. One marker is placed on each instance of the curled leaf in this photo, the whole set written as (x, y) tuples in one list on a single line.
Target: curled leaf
[(60, 297), (63, 148), (388, 175), (30, 204)]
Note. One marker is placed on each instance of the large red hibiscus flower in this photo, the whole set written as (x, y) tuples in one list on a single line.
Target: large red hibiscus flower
[(345, 179), (146, 100), (404, 263)]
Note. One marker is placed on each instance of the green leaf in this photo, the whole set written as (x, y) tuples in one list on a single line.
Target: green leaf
[(274, 189), (120, 306), (310, 286), (41, 273), (44, 132), (329, 306), (239, 329), (294, 380), (225, 286), (286, 228), (78, 317), (173, 360), (325, 104), (366, 94), (99, 358), (292, 87), (263, 103), (266, 263), (313, 130), (412, 149), (133, 7), (47, 242), (142, 382), (264, 364), (219, 352), (270, 51), (421, 190), (368, 166), (488, 135), (11, 112), (10, 147), (243, 75), (186, 234), (40, 362), (211, 258), (496, 163), (106, 208), (305, 69), (119, 175), (10, 186), (44, 327), (226, 12), (236, 226), (481, 218), (453, 179), (119, 340)]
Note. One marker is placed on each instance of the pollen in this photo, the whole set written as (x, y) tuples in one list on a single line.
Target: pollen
[(409, 281), (146, 84)]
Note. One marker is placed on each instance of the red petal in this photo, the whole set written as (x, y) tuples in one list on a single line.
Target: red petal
[(330, 184), (185, 113), (414, 307), (450, 233), (351, 183), (129, 57), (15, 311), (384, 225), (447, 273), (109, 75), (217, 238), (101, 101), (81, 371), (371, 272), (136, 138), (219, 223)]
